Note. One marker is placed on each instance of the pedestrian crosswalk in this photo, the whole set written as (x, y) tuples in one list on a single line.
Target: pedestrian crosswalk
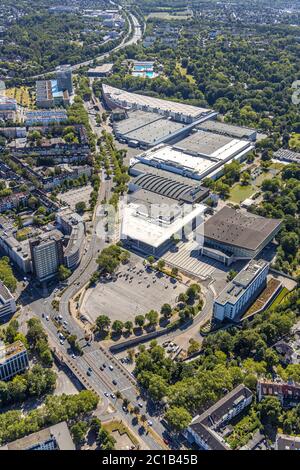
[(188, 259)]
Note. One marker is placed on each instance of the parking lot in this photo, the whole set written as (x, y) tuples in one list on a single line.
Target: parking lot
[(134, 291), (76, 195)]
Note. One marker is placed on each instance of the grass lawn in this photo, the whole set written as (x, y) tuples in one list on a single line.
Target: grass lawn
[(263, 297), (294, 142), (279, 297), (184, 73), (113, 426), (239, 193), (264, 176), (277, 166)]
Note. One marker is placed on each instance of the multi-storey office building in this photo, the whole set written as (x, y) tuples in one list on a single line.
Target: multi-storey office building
[(47, 255), (64, 78), (55, 437), (238, 295), (7, 303), (13, 360)]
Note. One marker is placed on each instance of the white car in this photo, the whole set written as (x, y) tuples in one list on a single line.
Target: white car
[(149, 422), (111, 367), (47, 317)]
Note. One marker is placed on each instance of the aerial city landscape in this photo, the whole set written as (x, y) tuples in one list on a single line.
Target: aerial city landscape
[(149, 225)]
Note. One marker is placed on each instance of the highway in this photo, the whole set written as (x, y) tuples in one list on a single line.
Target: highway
[(127, 41)]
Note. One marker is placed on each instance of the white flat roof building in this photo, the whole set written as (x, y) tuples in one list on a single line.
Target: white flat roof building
[(194, 157), (150, 228), (175, 160), (178, 111)]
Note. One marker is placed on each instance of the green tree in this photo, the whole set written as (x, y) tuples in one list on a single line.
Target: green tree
[(139, 320), (63, 272), (152, 317), (103, 323), (178, 418), (117, 326), (161, 264), (80, 207), (166, 310), (128, 325)]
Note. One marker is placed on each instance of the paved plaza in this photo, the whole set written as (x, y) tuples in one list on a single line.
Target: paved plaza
[(134, 292)]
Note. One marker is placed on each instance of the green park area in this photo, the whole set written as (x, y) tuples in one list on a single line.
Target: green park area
[(294, 142), (240, 192)]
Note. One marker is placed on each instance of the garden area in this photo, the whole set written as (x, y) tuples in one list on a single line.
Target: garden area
[(239, 191), (266, 294), (124, 438), (22, 95), (244, 430)]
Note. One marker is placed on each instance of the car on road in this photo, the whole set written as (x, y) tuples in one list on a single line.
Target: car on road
[(140, 405), (61, 341), (125, 409), (113, 396), (73, 356), (47, 318), (114, 382), (65, 322), (149, 422), (104, 365), (111, 367), (101, 368), (60, 317), (106, 394)]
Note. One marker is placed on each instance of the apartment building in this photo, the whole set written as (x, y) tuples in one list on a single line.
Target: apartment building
[(285, 442), (287, 392), (207, 430), (13, 360)]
